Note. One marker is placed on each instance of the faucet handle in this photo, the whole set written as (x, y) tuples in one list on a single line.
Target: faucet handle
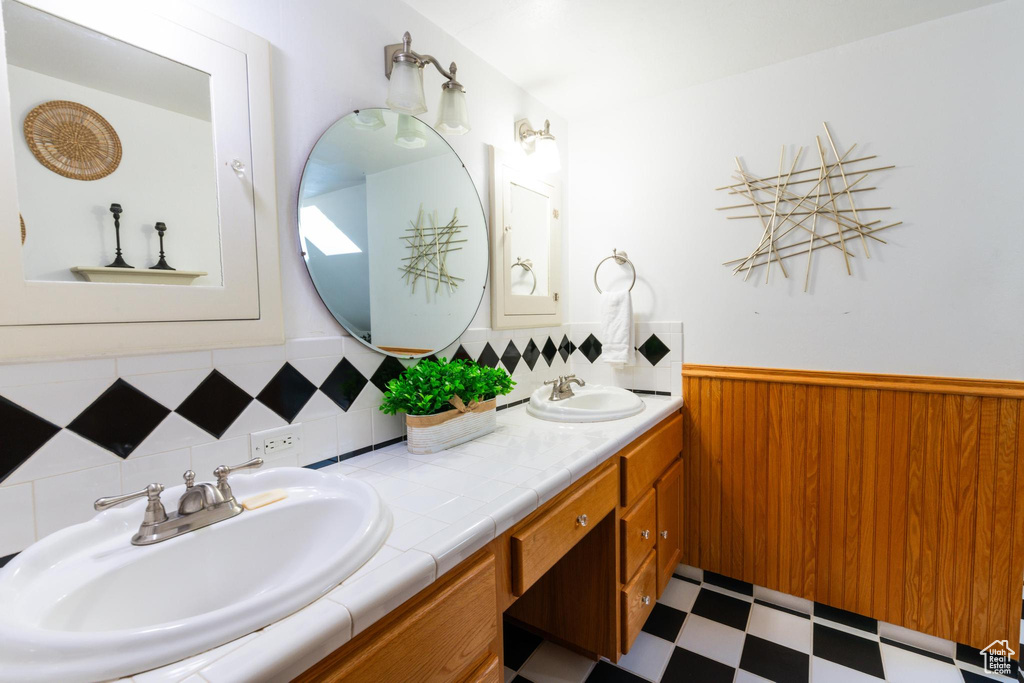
[(152, 492), (223, 471), (190, 479), (552, 381)]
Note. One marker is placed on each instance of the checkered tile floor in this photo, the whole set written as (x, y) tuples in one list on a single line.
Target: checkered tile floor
[(715, 631)]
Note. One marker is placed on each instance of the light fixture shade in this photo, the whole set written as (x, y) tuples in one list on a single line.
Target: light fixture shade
[(405, 91), (545, 155), (411, 132), (367, 119), (452, 115)]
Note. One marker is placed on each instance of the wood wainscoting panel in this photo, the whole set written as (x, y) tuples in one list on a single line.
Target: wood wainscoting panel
[(897, 497)]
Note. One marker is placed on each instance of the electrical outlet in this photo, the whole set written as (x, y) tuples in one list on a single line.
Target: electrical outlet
[(272, 443)]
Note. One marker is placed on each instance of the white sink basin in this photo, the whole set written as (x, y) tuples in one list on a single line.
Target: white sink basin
[(84, 604), (592, 403)]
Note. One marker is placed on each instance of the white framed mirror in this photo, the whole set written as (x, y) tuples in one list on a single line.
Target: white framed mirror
[(527, 238), (393, 233), (136, 165)]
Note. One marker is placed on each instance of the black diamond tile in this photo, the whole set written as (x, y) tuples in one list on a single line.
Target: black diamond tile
[(722, 608), (606, 672), (591, 348), (519, 645), (119, 419), (4, 560), (432, 357), (841, 616), (25, 434), (653, 349), (690, 667), (735, 585), (967, 654), (510, 357), (565, 348), (461, 354), (287, 392), (488, 357), (774, 662), (388, 370), (214, 404), (549, 351), (343, 384), (531, 354), (848, 650), (664, 622)]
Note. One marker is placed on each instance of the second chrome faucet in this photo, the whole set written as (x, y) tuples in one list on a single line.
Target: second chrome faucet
[(199, 506), (561, 388)]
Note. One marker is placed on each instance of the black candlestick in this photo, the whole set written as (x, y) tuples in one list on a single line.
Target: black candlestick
[(118, 260), (162, 263)]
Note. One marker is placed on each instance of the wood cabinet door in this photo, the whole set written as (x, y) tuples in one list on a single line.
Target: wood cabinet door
[(668, 490)]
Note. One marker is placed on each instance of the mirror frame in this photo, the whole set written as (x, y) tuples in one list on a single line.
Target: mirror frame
[(487, 233)]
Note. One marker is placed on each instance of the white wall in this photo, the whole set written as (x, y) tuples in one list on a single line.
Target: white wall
[(421, 317), (328, 59), (167, 173), (942, 100)]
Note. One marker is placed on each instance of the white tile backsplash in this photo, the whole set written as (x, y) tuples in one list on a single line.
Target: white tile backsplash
[(17, 518), (67, 499)]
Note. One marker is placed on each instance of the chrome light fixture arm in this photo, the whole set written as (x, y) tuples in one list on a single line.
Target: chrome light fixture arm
[(403, 52)]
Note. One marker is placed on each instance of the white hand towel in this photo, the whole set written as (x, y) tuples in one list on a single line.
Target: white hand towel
[(617, 325)]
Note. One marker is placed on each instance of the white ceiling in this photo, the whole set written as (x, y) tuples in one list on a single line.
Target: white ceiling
[(576, 55)]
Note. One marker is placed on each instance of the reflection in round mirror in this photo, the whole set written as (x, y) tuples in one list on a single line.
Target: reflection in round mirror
[(393, 232)]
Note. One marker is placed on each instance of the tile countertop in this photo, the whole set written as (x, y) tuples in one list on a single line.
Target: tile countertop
[(446, 506)]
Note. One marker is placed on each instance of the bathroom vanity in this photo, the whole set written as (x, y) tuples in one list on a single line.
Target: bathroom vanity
[(584, 569)]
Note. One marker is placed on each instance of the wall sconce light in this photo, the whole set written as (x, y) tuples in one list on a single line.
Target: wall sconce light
[(540, 145), (405, 92)]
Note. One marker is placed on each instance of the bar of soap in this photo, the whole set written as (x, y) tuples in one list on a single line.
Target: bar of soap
[(264, 499)]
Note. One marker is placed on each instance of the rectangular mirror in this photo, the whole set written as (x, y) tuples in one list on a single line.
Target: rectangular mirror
[(526, 246), (98, 122)]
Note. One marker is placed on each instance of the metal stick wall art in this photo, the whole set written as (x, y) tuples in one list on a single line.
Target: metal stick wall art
[(789, 212), (429, 248)]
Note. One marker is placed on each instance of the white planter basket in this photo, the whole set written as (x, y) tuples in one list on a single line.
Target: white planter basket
[(433, 433)]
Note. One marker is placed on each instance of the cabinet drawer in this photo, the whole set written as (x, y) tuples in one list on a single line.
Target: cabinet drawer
[(542, 542), (639, 533), (487, 671), (644, 460), (638, 600)]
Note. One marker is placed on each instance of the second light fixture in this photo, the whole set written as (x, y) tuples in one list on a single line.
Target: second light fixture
[(405, 91)]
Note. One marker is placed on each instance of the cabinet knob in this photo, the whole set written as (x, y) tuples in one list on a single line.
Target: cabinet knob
[(646, 600), (581, 520), (645, 534), (664, 534)]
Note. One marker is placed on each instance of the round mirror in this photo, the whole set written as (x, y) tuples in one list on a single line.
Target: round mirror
[(393, 232)]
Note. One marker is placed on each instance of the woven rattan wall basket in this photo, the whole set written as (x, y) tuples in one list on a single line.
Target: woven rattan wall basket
[(72, 140)]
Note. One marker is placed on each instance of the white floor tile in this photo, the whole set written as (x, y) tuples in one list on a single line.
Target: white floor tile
[(690, 572), (824, 671), (552, 663), (680, 594), (648, 656), (509, 674), (747, 677), (780, 627), (903, 666), (713, 640), (846, 629)]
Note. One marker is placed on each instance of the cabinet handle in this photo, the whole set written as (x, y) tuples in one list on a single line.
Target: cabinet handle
[(646, 600), (664, 534), (581, 520), (645, 534)]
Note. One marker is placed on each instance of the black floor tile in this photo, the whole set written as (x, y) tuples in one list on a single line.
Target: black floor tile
[(521, 679), (841, 616), (849, 650), (970, 655), (917, 650), (519, 645), (690, 667), (774, 662), (795, 613), (735, 585), (664, 622), (722, 608), (605, 672)]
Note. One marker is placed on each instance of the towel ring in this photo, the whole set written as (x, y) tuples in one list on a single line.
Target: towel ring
[(526, 265), (620, 258)]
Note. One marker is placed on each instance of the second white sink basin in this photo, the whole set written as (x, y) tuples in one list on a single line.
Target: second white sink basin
[(84, 604), (591, 403)]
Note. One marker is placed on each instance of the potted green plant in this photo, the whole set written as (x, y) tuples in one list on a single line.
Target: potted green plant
[(446, 402)]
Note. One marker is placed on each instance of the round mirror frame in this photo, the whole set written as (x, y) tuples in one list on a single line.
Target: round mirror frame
[(302, 251)]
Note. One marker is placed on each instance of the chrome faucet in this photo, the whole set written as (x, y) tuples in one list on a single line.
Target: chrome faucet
[(561, 388), (200, 505)]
